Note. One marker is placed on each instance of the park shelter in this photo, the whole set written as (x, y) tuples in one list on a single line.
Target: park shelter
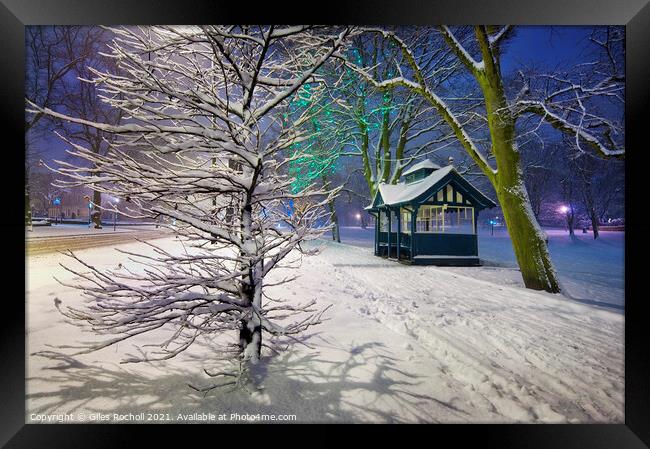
[(429, 218)]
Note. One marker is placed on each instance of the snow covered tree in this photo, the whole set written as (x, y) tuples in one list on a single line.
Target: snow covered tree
[(571, 103), (203, 143)]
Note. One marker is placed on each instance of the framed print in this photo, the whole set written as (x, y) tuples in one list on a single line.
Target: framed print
[(397, 215)]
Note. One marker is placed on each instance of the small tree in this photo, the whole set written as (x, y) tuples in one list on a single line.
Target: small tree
[(201, 108)]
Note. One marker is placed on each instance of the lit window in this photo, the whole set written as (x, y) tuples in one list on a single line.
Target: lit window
[(450, 193), (459, 197), (430, 219), (440, 198)]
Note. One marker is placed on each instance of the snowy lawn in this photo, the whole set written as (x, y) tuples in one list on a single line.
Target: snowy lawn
[(591, 271), (402, 344)]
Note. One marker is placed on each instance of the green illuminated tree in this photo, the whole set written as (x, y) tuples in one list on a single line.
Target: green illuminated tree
[(315, 159)]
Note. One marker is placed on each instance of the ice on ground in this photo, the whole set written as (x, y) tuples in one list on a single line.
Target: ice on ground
[(402, 344)]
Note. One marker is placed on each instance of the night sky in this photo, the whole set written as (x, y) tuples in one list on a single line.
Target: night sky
[(543, 45)]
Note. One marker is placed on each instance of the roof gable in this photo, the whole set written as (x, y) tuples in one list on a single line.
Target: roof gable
[(420, 191), (421, 165)]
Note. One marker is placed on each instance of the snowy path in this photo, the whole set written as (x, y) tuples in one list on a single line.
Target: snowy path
[(402, 344)]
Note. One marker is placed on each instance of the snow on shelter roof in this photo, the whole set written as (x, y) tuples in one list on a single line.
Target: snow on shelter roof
[(420, 165), (394, 194)]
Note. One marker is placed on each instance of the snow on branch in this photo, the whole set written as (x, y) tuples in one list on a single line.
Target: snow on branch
[(459, 49), (579, 130), (201, 150), (496, 38), (584, 102)]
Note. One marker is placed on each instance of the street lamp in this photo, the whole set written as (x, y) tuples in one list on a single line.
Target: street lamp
[(564, 210), (57, 202)]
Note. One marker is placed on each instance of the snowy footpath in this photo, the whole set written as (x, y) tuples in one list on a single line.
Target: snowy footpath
[(401, 344)]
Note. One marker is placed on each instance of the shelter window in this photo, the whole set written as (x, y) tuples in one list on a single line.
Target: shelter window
[(459, 220), (393, 221), (430, 219), (406, 221), (445, 219), (383, 220)]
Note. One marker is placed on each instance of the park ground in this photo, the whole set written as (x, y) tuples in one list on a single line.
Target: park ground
[(401, 343)]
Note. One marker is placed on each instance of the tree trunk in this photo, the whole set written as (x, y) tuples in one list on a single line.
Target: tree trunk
[(336, 232), (250, 341), (528, 240), (594, 223), (97, 213), (250, 334), (570, 223)]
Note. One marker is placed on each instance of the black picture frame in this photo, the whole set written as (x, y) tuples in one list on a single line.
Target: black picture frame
[(635, 14)]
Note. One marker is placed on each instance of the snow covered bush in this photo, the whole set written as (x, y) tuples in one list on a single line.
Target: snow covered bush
[(203, 143)]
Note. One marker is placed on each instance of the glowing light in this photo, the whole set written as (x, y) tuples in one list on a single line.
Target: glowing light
[(563, 209), (358, 216)]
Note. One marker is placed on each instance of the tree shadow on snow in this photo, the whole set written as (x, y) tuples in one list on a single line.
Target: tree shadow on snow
[(329, 383)]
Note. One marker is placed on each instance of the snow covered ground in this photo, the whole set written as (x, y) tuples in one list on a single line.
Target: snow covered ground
[(402, 344), (591, 271)]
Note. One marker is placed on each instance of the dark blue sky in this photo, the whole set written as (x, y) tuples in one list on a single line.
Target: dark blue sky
[(549, 46)]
